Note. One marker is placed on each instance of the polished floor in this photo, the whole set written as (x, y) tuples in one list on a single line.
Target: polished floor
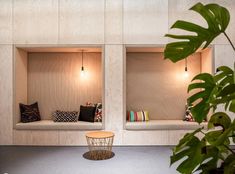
[(69, 160)]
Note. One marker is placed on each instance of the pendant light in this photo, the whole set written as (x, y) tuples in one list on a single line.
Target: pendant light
[(82, 68), (186, 74)]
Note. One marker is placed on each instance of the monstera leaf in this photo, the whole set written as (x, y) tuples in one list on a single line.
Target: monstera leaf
[(190, 147), (226, 88), (209, 160), (217, 18), (206, 86), (229, 164), (205, 155), (219, 119)]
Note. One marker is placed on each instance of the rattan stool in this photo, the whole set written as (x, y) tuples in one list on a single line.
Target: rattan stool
[(100, 145)]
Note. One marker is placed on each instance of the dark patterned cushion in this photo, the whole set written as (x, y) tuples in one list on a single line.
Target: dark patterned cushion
[(87, 113), (98, 112), (188, 115), (65, 116), (29, 113)]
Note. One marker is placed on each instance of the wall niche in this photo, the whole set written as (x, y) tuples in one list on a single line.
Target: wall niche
[(52, 77), (160, 86)]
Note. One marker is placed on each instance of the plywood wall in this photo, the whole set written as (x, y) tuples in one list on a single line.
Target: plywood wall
[(158, 85), (111, 23), (20, 81), (55, 81)]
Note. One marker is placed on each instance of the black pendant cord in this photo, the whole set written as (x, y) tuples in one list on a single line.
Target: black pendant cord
[(186, 65), (82, 61)]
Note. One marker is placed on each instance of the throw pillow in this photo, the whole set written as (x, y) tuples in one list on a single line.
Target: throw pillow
[(188, 115), (65, 116), (138, 116), (29, 113), (98, 112), (87, 113)]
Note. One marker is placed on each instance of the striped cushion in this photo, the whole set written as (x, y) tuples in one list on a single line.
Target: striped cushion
[(138, 116)]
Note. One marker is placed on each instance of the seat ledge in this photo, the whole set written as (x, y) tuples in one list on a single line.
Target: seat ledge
[(164, 125), (51, 125)]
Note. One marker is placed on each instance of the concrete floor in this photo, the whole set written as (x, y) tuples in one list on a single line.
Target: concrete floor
[(69, 160)]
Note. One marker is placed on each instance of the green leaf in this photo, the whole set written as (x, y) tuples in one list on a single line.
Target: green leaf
[(232, 106), (193, 154), (229, 164), (224, 76), (223, 138), (200, 111), (187, 137), (210, 159), (212, 136), (205, 84), (224, 99), (217, 18), (219, 119), (225, 69), (190, 147), (227, 90)]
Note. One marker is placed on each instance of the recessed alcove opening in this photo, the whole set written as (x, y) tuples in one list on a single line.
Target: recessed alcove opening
[(52, 77), (160, 86)]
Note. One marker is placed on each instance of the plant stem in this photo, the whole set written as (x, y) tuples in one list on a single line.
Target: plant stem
[(229, 41), (229, 149), (202, 132)]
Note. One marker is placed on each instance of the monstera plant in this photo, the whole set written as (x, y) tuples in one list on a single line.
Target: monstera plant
[(212, 152)]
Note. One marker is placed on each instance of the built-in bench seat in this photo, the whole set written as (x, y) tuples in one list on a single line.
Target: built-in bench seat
[(51, 125), (164, 125)]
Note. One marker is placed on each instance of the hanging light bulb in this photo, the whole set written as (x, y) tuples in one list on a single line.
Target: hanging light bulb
[(82, 68), (186, 73)]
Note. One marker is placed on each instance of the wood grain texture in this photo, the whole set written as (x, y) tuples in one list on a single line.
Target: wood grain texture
[(6, 93), (158, 85), (35, 21), (145, 22), (207, 61), (71, 138), (81, 21), (6, 22), (36, 138), (113, 21), (21, 137), (55, 82), (44, 138), (20, 81), (114, 87)]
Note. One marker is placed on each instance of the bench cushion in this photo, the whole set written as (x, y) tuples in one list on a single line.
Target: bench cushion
[(51, 125), (164, 125)]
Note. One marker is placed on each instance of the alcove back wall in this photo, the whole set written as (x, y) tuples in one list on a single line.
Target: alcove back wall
[(158, 85), (55, 81)]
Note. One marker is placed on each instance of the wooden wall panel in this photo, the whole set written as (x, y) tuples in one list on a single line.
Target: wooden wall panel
[(114, 87), (22, 137), (35, 21), (71, 138), (207, 61), (158, 85), (113, 21), (20, 81), (6, 94), (81, 21), (6, 22), (145, 22), (54, 80)]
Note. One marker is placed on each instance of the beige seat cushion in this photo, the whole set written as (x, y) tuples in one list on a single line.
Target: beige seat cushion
[(164, 125), (51, 125)]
